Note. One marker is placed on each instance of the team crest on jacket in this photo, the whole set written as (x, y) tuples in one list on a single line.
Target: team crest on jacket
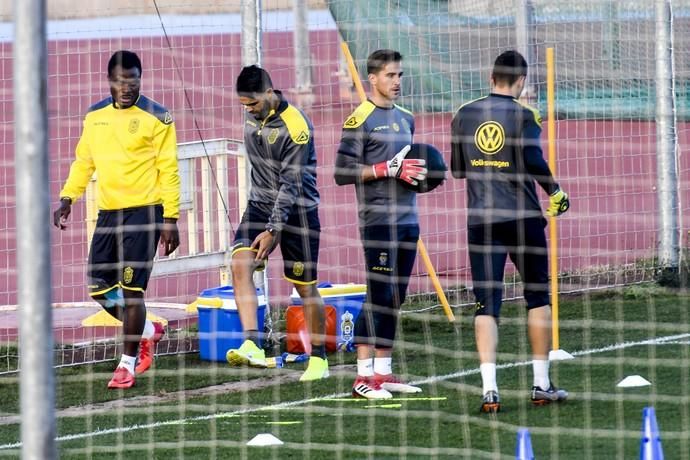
[(396, 127), (489, 137), (298, 269), (273, 135), (133, 125), (128, 275)]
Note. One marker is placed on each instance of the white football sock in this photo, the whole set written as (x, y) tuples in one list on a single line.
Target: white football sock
[(383, 366), (128, 362), (365, 367), (149, 330), (488, 371), (540, 368)]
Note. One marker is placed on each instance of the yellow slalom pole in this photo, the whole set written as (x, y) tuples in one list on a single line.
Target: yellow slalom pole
[(553, 229), (353, 72), (420, 244), (434, 280)]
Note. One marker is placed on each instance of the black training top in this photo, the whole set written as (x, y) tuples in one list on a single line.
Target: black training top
[(281, 151), (371, 135), (495, 145)]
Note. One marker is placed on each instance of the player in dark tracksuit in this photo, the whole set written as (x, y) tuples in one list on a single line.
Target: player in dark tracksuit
[(282, 208), (495, 146), (375, 140)]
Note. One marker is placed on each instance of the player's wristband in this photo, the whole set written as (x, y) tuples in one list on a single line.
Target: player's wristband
[(380, 169)]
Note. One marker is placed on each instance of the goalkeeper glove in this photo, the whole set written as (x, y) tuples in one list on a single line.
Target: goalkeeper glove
[(409, 171), (558, 203)]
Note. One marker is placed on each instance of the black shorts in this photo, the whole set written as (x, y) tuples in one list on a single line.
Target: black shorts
[(490, 244), (299, 239), (123, 247)]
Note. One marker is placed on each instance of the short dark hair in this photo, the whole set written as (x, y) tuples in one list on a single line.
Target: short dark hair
[(508, 67), (379, 58), (253, 79), (125, 59)]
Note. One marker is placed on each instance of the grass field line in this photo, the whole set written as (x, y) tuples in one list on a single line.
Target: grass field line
[(283, 405), (145, 400), (592, 351)]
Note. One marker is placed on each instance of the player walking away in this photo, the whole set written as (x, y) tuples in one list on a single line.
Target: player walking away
[(495, 146), (282, 208), (130, 142), (375, 140)]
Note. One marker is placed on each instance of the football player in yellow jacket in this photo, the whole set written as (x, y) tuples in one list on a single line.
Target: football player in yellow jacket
[(129, 141)]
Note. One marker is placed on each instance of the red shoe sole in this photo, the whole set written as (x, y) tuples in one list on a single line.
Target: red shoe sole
[(119, 386)]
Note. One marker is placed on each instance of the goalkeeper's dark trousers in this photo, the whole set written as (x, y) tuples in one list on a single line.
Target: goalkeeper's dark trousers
[(389, 253)]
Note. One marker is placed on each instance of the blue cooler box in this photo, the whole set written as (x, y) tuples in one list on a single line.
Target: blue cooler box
[(347, 300), (220, 328)]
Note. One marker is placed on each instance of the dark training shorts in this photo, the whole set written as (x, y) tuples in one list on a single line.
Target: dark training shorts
[(490, 245), (299, 239), (123, 247)]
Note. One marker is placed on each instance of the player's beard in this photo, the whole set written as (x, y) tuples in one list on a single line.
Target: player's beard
[(263, 113)]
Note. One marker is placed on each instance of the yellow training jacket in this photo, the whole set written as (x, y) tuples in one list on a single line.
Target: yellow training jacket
[(134, 153)]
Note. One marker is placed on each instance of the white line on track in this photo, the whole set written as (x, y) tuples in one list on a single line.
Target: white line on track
[(671, 339)]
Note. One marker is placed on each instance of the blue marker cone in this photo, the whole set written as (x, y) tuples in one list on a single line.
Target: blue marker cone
[(523, 450), (650, 445)]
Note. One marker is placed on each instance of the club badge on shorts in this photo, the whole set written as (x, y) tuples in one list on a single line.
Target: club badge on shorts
[(298, 269), (128, 275), (383, 259)]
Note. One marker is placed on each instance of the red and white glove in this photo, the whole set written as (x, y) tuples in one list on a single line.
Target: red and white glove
[(409, 171)]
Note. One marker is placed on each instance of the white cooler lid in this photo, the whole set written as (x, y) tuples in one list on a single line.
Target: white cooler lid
[(336, 290), (227, 303)]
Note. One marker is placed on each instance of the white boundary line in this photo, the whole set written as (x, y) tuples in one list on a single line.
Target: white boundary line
[(671, 339)]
